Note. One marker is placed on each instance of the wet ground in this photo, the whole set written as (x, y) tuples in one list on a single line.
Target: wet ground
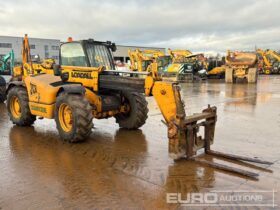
[(119, 169)]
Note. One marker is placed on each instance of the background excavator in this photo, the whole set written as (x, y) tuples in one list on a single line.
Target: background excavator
[(188, 65), (270, 61), (7, 64), (86, 86), (166, 68), (141, 60), (216, 67)]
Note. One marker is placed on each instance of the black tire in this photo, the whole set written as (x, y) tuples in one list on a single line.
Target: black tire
[(81, 117), (2, 90), (138, 113), (26, 118)]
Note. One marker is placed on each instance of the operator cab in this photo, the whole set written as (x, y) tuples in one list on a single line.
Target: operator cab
[(163, 62), (88, 53)]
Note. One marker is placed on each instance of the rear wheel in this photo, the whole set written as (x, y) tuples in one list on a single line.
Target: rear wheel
[(252, 75), (229, 75), (18, 108), (138, 113), (2, 90), (73, 116)]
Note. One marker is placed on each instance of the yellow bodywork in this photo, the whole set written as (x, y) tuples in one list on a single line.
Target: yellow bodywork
[(165, 98), (217, 70), (175, 67), (65, 117), (90, 75), (267, 64), (186, 56), (41, 97), (140, 60), (240, 63), (240, 72), (15, 107), (44, 89), (178, 54), (28, 67)]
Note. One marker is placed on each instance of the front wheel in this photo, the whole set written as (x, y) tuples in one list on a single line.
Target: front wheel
[(18, 107), (73, 116)]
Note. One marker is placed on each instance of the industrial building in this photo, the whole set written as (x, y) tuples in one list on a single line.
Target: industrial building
[(45, 48), (49, 48)]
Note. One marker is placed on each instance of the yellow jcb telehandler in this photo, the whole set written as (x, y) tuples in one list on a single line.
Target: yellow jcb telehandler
[(86, 86)]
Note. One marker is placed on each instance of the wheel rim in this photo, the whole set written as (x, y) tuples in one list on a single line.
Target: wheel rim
[(65, 117), (15, 107)]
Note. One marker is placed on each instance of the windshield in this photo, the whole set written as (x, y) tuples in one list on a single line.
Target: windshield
[(72, 54), (99, 55), (163, 62)]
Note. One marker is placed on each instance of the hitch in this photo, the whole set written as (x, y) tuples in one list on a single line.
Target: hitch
[(185, 139)]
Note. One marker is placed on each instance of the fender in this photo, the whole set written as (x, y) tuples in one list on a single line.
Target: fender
[(14, 83), (75, 89)]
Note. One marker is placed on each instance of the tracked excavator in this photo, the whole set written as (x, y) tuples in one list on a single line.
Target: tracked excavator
[(85, 86), (189, 65)]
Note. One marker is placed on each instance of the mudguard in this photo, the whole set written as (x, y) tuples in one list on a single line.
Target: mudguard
[(72, 89)]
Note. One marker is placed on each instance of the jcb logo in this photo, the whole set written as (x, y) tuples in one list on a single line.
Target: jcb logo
[(82, 75), (33, 89)]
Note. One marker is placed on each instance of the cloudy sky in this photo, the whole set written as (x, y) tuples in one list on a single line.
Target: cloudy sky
[(198, 25)]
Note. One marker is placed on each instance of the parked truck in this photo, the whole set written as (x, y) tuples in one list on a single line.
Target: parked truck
[(241, 66)]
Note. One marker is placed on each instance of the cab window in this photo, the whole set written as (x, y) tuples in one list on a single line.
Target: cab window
[(72, 54)]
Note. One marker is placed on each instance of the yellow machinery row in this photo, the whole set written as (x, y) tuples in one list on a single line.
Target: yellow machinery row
[(178, 63)]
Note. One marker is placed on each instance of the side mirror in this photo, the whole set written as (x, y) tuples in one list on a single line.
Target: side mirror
[(56, 69), (113, 47)]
